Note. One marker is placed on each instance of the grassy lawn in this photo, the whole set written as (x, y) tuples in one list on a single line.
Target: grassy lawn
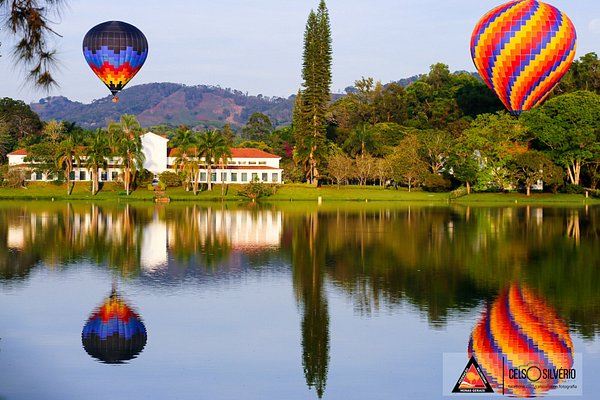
[(285, 193)]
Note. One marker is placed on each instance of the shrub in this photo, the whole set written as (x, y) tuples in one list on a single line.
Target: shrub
[(459, 192), (256, 190), (12, 177), (570, 188), (170, 179), (143, 178), (436, 183)]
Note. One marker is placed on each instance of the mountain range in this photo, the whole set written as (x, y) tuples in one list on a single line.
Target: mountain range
[(169, 104), (174, 104)]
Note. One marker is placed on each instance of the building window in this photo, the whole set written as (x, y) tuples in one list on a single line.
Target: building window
[(202, 176), (72, 175), (274, 177), (254, 176), (223, 176), (38, 176), (244, 177), (113, 176), (104, 176), (262, 163), (234, 177), (213, 176), (265, 177), (82, 175), (251, 162)]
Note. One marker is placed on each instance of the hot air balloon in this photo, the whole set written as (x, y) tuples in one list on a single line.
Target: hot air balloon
[(114, 333), (522, 49), (520, 332), (115, 51)]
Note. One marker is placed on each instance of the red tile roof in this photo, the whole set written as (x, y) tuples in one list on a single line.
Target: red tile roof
[(20, 152), (235, 153)]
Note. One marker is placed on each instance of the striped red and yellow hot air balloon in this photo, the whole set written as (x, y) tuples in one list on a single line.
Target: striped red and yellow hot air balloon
[(520, 331), (522, 49)]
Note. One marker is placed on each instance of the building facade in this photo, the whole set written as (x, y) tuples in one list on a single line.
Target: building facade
[(245, 165)]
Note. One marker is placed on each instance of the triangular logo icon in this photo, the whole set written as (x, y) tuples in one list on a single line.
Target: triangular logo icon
[(472, 380)]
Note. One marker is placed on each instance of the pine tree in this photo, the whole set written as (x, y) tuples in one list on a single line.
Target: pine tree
[(311, 104)]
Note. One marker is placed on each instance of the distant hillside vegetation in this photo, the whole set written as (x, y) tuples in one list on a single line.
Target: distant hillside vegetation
[(171, 104)]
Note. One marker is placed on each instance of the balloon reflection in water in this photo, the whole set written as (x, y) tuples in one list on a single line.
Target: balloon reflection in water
[(528, 333), (114, 333)]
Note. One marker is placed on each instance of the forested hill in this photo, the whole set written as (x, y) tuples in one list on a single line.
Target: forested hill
[(169, 103)]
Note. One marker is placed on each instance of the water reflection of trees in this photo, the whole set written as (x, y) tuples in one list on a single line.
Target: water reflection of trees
[(445, 260), (441, 259), (308, 253)]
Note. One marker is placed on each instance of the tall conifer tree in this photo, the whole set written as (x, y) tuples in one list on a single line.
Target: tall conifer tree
[(310, 126)]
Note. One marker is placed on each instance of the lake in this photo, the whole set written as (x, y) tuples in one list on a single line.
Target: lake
[(296, 301)]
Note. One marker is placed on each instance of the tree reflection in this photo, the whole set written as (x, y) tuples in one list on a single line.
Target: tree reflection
[(308, 265)]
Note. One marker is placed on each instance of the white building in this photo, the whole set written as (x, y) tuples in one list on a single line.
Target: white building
[(244, 166)]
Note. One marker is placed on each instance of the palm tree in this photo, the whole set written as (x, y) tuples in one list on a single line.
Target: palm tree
[(67, 156), (127, 145), (210, 146), (223, 154), (97, 157), (361, 141), (186, 160)]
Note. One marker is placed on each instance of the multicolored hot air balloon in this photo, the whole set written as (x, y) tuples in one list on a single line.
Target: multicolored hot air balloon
[(520, 332), (522, 49), (115, 51), (114, 333)]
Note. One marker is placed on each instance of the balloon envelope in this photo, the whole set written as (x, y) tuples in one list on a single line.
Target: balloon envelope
[(522, 49), (521, 330), (114, 332), (115, 51)]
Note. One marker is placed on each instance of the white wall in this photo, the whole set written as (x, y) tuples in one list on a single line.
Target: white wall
[(154, 148)]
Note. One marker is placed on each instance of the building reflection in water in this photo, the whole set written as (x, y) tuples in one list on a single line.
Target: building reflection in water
[(521, 331), (114, 333)]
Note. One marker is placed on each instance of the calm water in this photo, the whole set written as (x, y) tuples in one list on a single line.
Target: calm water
[(360, 301)]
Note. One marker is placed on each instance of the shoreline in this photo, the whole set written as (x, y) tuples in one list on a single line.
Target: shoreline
[(290, 193)]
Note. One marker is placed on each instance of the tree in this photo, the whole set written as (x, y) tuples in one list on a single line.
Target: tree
[(365, 167), (407, 166), (53, 131), (492, 139), (30, 22), (568, 128), (258, 127), (316, 76), (435, 147), (67, 156), (96, 157), (124, 138), (18, 124), (187, 156), (340, 167), (362, 141), (530, 167), (211, 145)]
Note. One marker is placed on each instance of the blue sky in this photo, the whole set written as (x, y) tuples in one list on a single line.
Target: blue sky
[(256, 46)]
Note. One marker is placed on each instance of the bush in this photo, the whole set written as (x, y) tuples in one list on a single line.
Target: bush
[(170, 179), (12, 177), (436, 183), (570, 188), (143, 178), (256, 190), (459, 192)]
